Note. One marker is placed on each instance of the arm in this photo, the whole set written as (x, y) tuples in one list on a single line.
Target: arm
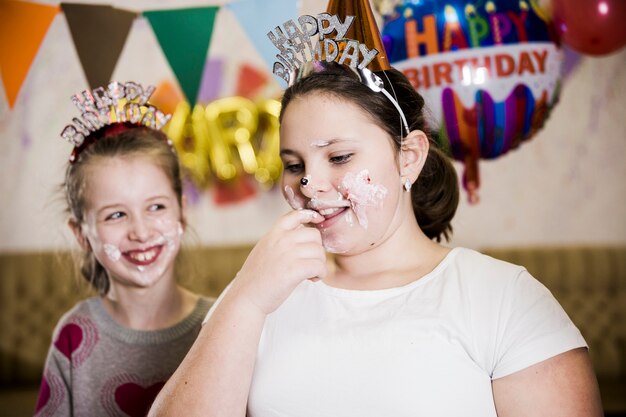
[(55, 395), (564, 385), (214, 378)]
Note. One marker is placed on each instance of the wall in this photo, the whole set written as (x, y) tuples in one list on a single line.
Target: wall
[(566, 186)]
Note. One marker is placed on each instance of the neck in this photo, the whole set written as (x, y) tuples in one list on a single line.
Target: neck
[(404, 257), (151, 308)]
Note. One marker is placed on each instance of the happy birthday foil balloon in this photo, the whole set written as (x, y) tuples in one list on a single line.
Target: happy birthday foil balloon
[(489, 72)]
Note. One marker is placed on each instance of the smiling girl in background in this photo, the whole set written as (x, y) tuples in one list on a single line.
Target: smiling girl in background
[(112, 353)]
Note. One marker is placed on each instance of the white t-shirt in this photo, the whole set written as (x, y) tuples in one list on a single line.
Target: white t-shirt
[(429, 348)]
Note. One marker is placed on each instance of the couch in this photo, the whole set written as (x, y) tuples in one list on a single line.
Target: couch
[(37, 288)]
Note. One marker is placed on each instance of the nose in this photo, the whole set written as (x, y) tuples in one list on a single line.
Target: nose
[(311, 186), (140, 229)]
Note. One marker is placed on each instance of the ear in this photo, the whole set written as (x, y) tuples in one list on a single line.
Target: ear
[(413, 154), (77, 230)]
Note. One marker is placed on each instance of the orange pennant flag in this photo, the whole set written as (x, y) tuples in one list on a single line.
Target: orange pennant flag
[(22, 29)]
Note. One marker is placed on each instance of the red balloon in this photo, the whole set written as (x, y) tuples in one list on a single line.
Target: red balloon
[(592, 27)]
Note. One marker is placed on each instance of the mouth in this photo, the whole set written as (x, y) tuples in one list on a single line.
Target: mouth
[(330, 209), (143, 257)]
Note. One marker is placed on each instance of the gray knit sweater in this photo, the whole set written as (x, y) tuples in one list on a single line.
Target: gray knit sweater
[(96, 367)]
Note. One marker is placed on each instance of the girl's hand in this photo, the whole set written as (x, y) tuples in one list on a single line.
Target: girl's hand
[(290, 253)]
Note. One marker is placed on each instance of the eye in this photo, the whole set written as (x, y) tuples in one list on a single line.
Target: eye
[(341, 159), (156, 207), (115, 216), (293, 167)]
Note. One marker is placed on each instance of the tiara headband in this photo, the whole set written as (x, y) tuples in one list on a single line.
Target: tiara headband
[(299, 55), (117, 103), (296, 46)]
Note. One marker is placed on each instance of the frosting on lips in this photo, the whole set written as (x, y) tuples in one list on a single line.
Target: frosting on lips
[(362, 193)]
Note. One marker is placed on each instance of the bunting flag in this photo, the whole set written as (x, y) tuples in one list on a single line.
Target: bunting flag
[(99, 33), (250, 81), (184, 36), (211, 80), (22, 30), (257, 18)]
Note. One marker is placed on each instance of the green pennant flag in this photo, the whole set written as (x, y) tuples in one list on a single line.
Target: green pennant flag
[(184, 36), (99, 34)]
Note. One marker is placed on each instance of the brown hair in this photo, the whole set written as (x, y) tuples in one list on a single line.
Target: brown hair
[(113, 142), (435, 194)]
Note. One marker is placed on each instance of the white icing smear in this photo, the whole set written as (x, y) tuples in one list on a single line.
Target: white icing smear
[(320, 144), (362, 193), (290, 196), (112, 251)]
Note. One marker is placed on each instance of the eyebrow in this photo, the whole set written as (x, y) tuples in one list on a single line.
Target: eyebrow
[(319, 144), (115, 206)]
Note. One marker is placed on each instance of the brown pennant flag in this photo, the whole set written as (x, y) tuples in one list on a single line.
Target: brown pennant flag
[(22, 29), (99, 33)]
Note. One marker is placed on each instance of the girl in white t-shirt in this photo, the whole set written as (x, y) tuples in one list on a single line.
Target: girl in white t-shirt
[(399, 325)]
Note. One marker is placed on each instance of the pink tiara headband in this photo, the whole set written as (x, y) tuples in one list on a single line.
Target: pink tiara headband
[(120, 104)]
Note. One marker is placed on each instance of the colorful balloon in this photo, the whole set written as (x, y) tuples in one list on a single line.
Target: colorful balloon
[(489, 72), (592, 27)]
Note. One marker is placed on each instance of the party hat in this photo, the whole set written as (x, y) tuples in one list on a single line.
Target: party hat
[(364, 28)]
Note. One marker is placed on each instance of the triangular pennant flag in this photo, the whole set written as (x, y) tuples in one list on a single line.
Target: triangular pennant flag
[(258, 17), (250, 81), (211, 80), (184, 36), (22, 29), (99, 34)]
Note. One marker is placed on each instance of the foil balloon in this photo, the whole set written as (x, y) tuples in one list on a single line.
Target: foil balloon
[(227, 139), (489, 72)]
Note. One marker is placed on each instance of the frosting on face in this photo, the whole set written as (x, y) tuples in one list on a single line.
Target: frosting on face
[(112, 251), (320, 144), (296, 203), (362, 193), (164, 246)]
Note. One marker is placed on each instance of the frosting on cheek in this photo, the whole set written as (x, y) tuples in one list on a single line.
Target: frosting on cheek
[(112, 251), (362, 193), (295, 202)]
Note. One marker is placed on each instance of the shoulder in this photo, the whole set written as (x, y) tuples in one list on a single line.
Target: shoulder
[(491, 284), (474, 262), (203, 306), (81, 311), (76, 334), (205, 303), (475, 271)]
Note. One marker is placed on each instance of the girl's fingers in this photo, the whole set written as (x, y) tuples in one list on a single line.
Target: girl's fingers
[(307, 234), (296, 218), (309, 250)]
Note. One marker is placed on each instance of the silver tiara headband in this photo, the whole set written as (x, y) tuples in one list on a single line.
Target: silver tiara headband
[(115, 103), (300, 54)]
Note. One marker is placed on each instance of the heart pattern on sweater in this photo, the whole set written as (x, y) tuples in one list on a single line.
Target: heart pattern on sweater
[(77, 339), (69, 340), (134, 399), (51, 395), (44, 395)]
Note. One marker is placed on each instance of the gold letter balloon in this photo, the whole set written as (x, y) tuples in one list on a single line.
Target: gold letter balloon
[(227, 138)]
